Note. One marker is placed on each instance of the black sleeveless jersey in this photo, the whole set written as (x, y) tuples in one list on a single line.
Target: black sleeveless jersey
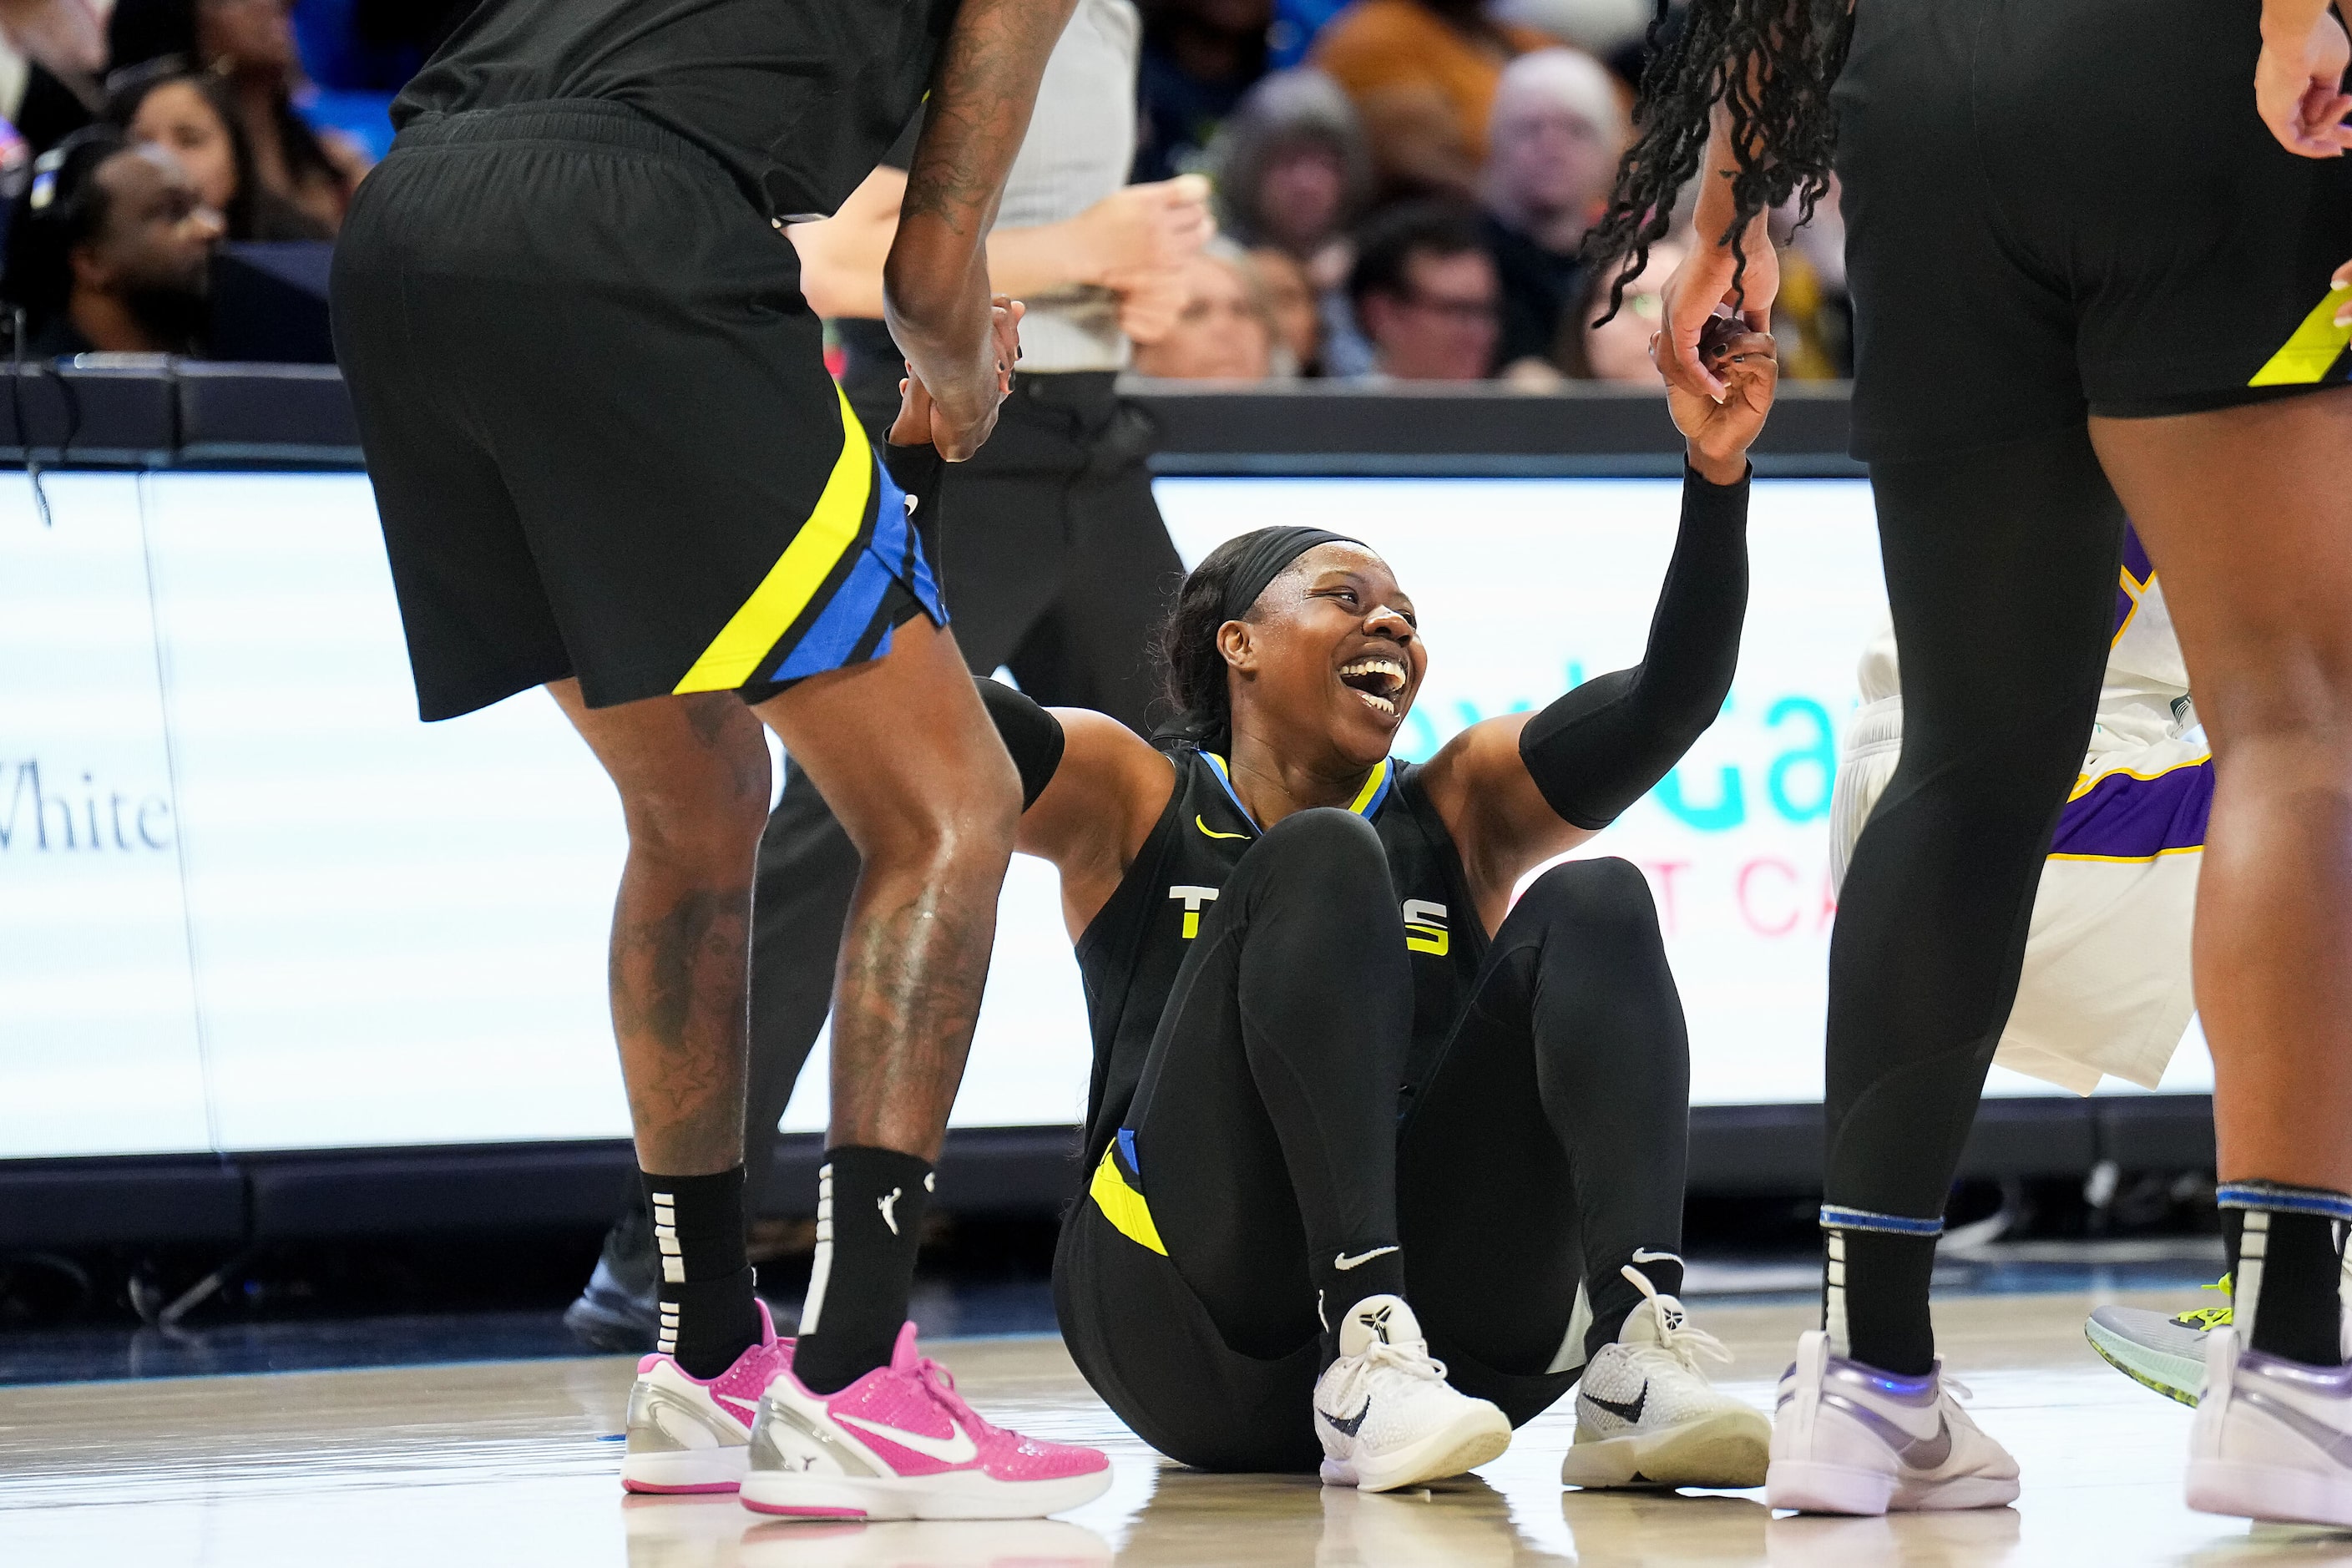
[(798, 99), (1130, 952)]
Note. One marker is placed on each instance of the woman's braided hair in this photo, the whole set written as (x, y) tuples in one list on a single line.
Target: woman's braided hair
[(1192, 667), (1783, 129)]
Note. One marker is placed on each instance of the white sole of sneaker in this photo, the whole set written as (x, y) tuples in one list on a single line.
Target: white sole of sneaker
[(959, 1494), (1471, 1439), (687, 1471), (1729, 1450), (2276, 1493), (2173, 1376), (1811, 1487)]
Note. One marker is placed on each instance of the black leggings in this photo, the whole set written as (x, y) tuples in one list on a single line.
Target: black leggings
[(1547, 1145), (2001, 568)]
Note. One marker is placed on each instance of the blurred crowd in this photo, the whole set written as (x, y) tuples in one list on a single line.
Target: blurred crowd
[(136, 136), (1400, 187)]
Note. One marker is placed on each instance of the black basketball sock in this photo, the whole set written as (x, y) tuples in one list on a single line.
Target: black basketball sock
[(1614, 1297), (869, 1218), (1373, 1268), (2286, 1262), (708, 1318), (1875, 1289)]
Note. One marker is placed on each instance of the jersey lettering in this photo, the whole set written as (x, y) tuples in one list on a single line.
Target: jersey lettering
[(1425, 927), (1192, 898)]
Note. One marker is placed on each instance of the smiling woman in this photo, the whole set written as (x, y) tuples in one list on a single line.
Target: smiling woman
[(1326, 1041)]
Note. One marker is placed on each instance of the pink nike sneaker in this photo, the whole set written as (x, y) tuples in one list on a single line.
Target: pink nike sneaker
[(687, 1433), (901, 1443)]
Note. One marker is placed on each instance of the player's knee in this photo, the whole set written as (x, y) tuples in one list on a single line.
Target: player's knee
[(1602, 894), (949, 827), (2302, 704), (699, 818), (2010, 771), (1324, 848)]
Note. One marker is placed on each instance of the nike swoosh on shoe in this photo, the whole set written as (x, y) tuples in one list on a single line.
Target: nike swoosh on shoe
[(1615, 1407), (1920, 1453), (1350, 1425), (958, 1449)]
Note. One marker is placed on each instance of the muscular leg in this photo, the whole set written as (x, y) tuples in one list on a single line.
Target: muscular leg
[(800, 906), (2250, 525), (1264, 1121), (1548, 1145), (2001, 568), (902, 750), (692, 773)]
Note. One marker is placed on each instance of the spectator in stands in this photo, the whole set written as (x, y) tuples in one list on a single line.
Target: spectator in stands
[(190, 115), (1199, 58), (1619, 349), (1222, 333), (1426, 294), (1293, 174), (1293, 310), (249, 44), (52, 53), (109, 251), (1557, 132), (1423, 74)]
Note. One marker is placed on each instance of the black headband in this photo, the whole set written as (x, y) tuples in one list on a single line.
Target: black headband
[(1271, 550)]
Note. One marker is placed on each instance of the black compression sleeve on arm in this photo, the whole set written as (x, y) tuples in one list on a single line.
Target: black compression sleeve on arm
[(1032, 735), (1601, 748)]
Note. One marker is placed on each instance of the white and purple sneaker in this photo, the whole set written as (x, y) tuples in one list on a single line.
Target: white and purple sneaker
[(2272, 1437), (687, 1433), (901, 1443), (1849, 1438)]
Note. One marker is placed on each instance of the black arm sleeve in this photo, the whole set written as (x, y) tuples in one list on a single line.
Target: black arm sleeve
[(1602, 747), (1032, 735)]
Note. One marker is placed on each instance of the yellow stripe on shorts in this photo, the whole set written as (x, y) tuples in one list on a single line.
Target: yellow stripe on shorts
[(2310, 350), (734, 655), (1123, 1206)]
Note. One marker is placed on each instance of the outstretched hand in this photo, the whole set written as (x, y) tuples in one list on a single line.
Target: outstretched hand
[(1691, 297), (1719, 433)]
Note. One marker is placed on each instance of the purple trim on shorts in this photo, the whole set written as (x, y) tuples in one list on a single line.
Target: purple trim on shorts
[(2123, 818)]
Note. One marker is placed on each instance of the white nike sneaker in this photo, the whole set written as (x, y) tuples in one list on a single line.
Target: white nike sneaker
[(1646, 1414), (1849, 1438), (2272, 1437), (1386, 1417)]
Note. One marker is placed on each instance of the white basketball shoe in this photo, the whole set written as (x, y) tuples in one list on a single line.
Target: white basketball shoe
[(1646, 1415), (1386, 1417), (2272, 1437), (1849, 1438)]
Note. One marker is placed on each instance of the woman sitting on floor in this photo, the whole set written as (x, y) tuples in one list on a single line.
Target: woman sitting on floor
[(1336, 1068)]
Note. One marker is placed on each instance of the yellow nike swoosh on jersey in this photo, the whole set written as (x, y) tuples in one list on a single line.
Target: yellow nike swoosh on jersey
[(1201, 823)]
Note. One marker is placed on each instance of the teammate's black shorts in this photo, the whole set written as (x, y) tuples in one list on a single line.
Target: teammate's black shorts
[(596, 413), (2056, 208)]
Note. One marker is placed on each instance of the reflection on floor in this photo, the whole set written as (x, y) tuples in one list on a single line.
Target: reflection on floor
[(513, 1463)]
